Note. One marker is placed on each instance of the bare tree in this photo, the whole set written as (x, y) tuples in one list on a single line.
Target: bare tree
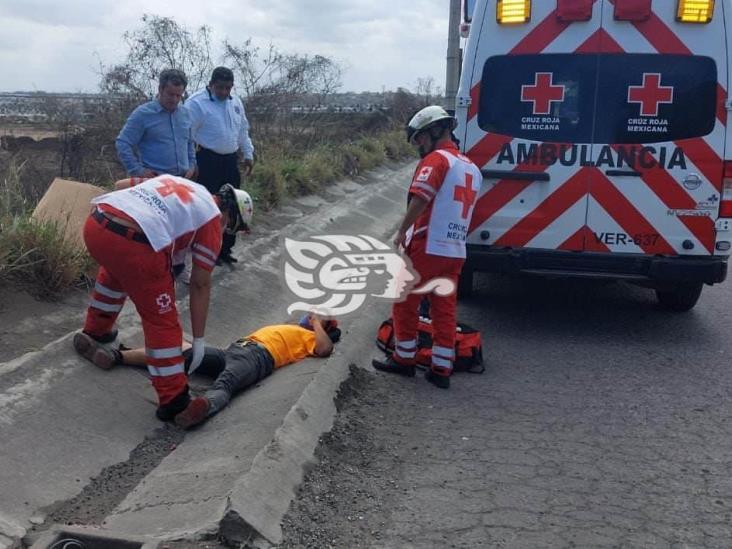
[(158, 44), (271, 72), (402, 105), (252, 65), (280, 87), (427, 92)]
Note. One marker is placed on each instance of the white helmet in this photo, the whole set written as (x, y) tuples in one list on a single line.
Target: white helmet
[(239, 205), (426, 118), (245, 205)]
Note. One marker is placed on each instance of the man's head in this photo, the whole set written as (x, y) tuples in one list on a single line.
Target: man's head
[(428, 127), (329, 325), (222, 80), (171, 87)]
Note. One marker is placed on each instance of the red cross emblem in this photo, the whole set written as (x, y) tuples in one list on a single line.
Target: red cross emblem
[(170, 186), (163, 301), (424, 173), (466, 195), (542, 93), (650, 94)]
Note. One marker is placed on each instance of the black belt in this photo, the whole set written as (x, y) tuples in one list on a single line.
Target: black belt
[(118, 228), (204, 149)]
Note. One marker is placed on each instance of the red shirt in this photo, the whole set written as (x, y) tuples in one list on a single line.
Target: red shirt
[(427, 180), (205, 242)]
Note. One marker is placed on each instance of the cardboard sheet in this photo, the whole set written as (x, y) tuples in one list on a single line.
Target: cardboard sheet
[(67, 203)]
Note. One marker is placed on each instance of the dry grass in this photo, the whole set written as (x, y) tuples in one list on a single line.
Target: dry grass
[(280, 173), (34, 254)]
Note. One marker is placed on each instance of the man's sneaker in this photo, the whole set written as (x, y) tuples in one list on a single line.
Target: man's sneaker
[(443, 382), (90, 349), (394, 367), (196, 412)]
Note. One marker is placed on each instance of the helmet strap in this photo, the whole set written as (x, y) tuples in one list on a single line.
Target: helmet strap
[(235, 220)]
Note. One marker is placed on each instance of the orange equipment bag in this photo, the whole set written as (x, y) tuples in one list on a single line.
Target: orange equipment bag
[(468, 346)]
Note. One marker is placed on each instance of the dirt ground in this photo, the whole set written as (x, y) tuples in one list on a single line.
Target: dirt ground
[(107, 490), (345, 500)]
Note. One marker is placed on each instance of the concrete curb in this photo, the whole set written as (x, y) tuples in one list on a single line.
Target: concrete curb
[(261, 498)]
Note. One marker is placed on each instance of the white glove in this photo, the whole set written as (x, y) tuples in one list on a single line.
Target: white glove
[(197, 350)]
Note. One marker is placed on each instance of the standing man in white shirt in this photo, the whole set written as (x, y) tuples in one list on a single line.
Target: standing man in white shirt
[(220, 129)]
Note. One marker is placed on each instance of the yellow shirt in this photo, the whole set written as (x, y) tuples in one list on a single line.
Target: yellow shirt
[(286, 343)]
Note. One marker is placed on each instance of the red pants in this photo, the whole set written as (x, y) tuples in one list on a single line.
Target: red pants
[(127, 267), (442, 311)]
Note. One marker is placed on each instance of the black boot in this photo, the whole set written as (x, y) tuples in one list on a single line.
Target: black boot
[(226, 258), (393, 367), (443, 382), (168, 411)]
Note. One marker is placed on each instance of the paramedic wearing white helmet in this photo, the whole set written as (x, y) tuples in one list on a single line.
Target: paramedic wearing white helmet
[(133, 234), (182, 256), (442, 195)]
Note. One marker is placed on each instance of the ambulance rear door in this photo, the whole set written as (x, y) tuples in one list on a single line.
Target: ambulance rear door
[(530, 123), (660, 130)]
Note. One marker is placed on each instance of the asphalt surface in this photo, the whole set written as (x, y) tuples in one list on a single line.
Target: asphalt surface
[(601, 421)]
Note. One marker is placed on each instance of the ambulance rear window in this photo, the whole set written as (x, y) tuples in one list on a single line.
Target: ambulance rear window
[(640, 98), (645, 98), (539, 97)]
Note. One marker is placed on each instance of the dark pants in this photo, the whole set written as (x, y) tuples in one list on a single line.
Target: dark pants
[(214, 170), (234, 369)]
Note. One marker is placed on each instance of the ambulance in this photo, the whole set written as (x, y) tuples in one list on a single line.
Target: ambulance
[(600, 128)]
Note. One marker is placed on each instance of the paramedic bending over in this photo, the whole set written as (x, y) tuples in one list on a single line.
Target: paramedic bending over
[(131, 233)]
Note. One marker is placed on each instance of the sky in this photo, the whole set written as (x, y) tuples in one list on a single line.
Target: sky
[(56, 46)]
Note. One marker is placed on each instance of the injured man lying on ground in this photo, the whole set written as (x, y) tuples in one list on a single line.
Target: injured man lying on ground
[(244, 363)]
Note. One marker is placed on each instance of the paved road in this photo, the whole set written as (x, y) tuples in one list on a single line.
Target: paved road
[(601, 421)]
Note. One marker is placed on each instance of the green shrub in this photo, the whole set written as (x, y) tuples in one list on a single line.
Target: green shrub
[(370, 152), (37, 256), (266, 185), (396, 146), (13, 201), (295, 177), (320, 168)]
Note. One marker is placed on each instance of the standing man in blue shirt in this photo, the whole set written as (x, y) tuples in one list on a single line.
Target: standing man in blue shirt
[(156, 139), (220, 129)]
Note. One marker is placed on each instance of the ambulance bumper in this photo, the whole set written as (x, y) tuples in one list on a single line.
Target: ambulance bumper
[(560, 264)]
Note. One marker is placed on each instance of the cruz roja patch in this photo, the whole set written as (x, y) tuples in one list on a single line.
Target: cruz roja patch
[(610, 156)]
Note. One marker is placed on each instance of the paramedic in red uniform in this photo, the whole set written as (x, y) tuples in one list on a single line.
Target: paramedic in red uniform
[(443, 192), (133, 234)]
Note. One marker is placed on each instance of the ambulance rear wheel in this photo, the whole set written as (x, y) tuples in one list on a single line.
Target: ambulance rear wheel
[(681, 298), (465, 283)]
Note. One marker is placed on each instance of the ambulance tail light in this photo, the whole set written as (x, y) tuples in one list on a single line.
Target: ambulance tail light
[(574, 10), (632, 10), (695, 11), (511, 12), (725, 204)]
